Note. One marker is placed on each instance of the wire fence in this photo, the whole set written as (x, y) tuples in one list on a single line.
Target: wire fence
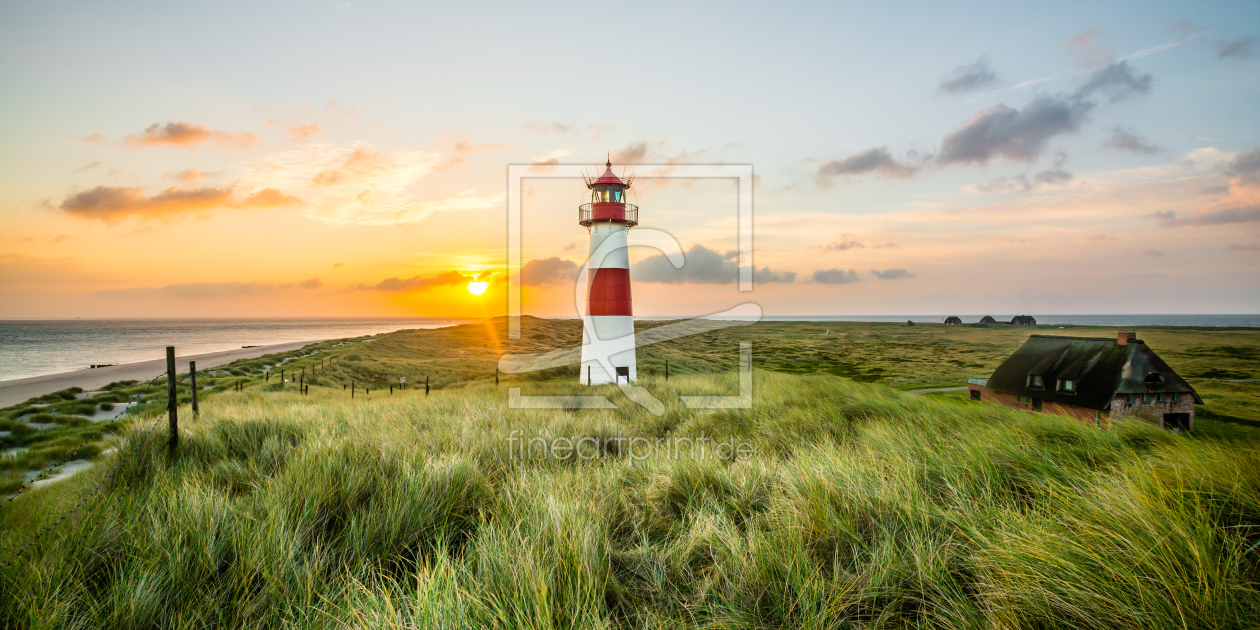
[(113, 471)]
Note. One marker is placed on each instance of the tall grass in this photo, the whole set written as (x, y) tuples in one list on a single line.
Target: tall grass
[(860, 507)]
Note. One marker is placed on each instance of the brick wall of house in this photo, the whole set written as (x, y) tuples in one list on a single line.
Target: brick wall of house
[(1153, 412), (1083, 414)]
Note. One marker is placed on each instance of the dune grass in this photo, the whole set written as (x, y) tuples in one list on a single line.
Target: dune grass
[(852, 506)]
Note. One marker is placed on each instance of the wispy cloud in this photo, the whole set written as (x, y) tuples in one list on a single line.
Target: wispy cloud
[(891, 274), (420, 283), (182, 134), (968, 78), (112, 203), (297, 133), (358, 185)]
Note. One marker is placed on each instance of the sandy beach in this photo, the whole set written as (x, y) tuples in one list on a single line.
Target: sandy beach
[(18, 390)]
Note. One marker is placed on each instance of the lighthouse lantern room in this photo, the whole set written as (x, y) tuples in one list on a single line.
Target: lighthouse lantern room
[(608, 318)]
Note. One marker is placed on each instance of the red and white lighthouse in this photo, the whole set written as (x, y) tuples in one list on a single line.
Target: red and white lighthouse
[(608, 350)]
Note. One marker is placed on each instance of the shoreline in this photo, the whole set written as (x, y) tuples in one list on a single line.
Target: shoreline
[(18, 390)]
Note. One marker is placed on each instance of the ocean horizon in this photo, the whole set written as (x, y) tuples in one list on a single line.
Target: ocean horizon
[(38, 347)]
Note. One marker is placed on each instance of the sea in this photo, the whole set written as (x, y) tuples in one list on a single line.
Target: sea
[(39, 347)]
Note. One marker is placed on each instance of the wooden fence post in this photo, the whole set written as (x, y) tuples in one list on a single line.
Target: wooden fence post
[(352, 389), (192, 382), (172, 398), (302, 383), (426, 385), (667, 369)]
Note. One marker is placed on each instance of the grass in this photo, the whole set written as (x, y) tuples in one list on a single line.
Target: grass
[(855, 506)]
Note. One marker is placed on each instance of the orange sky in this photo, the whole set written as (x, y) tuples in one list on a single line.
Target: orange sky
[(1077, 163)]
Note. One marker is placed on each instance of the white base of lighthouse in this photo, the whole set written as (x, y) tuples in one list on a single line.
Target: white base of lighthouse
[(613, 332)]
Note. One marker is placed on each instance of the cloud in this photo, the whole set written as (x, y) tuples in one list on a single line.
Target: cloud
[(189, 175), (968, 78), (111, 203), (1234, 247), (88, 166), (548, 127), (1087, 55), (1024, 183), (633, 153), (702, 266), (187, 135), (834, 276), (1003, 131), (418, 283), (891, 274), (210, 290), (877, 159), (463, 146), (338, 265), (298, 133), (1125, 139), (95, 138), (1241, 204), (1240, 48), (1154, 253), (20, 270), (1117, 82), (1162, 214), (843, 245), (765, 275), (552, 270), (358, 185)]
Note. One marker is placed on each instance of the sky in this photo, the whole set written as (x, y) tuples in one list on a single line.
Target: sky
[(350, 158)]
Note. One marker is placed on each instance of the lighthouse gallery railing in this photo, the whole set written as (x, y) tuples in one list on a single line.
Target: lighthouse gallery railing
[(585, 219)]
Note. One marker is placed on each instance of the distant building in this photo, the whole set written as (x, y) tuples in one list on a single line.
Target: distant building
[(1023, 320), (1093, 379), (953, 320), (988, 319)]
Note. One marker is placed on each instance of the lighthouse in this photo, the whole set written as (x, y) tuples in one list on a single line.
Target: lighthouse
[(608, 321)]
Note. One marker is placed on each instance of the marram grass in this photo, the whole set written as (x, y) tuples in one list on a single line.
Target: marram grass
[(860, 507)]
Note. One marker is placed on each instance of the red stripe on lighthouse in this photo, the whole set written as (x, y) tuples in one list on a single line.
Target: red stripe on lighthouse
[(608, 292)]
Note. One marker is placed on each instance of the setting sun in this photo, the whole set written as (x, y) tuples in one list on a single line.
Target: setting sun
[(478, 288)]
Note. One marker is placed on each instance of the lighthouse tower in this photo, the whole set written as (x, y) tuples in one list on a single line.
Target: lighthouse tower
[(608, 315)]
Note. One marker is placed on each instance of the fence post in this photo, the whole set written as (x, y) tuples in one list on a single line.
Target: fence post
[(426, 385), (667, 369), (302, 383), (588, 376), (267, 376), (172, 398), (496, 376), (352, 389), (192, 382)]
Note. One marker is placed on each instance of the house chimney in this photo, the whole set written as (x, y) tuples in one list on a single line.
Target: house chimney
[(1124, 337)]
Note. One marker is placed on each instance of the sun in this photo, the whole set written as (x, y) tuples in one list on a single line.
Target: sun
[(478, 288)]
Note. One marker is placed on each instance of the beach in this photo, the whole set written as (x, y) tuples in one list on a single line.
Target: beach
[(18, 390)]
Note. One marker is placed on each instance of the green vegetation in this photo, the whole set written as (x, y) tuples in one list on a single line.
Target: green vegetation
[(852, 504), (859, 506)]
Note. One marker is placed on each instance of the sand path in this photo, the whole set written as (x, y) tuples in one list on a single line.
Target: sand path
[(20, 389)]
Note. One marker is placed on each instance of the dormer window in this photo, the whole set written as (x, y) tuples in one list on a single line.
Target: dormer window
[(1035, 381), (1154, 377), (1067, 386)]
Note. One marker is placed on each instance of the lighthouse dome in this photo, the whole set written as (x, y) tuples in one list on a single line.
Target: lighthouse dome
[(609, 178)]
